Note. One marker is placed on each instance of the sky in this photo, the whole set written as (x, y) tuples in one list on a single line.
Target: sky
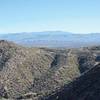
[(77, 16)]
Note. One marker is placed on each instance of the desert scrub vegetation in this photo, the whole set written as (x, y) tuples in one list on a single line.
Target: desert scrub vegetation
[(41, 71)]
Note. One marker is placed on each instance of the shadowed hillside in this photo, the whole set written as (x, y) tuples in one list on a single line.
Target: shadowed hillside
[(86, 87)]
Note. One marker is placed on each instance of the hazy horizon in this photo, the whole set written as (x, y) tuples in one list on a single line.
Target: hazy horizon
[(51, 31)]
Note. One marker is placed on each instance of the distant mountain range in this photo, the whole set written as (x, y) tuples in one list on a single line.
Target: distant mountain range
[(53, 39)]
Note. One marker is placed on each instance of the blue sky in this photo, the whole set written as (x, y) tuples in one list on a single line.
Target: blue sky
[(78, 16)]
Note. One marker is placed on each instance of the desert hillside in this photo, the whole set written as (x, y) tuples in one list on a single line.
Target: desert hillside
[(37, 73)]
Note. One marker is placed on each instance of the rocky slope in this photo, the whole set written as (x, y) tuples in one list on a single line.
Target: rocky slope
[(37, 72), (86, 87)]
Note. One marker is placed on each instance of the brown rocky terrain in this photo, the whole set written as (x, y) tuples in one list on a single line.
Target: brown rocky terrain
[(34, 73)]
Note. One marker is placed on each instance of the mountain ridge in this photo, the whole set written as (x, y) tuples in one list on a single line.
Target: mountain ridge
[(53, 39)]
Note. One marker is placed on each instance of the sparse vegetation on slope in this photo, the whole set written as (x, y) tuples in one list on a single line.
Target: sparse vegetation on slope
[(36, 72)]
